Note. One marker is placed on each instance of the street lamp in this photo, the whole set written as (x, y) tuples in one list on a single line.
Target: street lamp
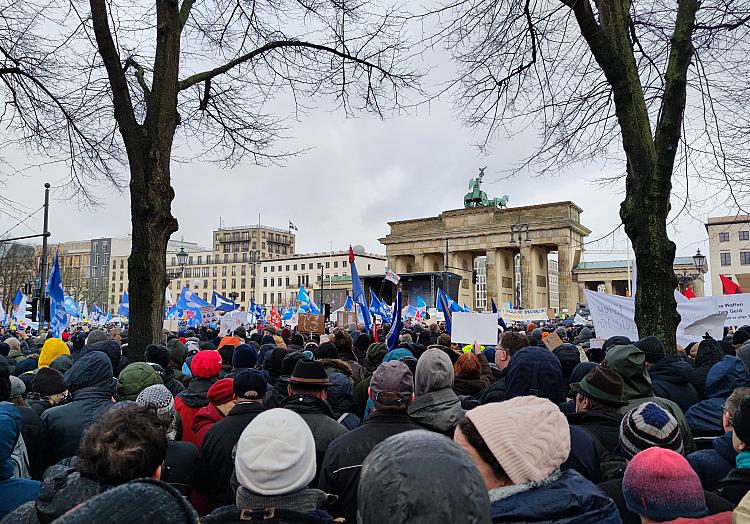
[(182, 258), (699, 264), (233, 296)]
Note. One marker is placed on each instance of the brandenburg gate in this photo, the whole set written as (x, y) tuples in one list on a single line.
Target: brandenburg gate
[(501, 235)]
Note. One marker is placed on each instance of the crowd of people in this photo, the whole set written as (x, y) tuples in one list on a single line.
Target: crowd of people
[(275, 426)]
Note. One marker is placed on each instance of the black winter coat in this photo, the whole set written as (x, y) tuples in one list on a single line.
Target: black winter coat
[(33, 438), (339, 474), (735, 485), (181, 461), (671, 379), (91, 385), (603, 427), (215, 461), (709, 353), (496, 392)]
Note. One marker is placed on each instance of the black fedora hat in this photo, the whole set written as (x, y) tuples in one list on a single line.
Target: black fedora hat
[(603, 385), (309, 372)]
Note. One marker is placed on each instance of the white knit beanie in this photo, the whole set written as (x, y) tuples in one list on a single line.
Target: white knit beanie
[(275, 454), (528, 436)]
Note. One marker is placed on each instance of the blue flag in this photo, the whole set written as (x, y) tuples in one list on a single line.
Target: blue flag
[(445, 308), (124, 308), (500, 321), (420, 302), (376, 306), (466, 309), (396, 325), (222, 303), (190, 300), (303, 295), (349, 304), (359, 293), (450, 304), (58, 318), (288, 315)]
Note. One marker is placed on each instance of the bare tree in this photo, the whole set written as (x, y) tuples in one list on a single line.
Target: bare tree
[(659, 86), (209, 76), (17, 268)]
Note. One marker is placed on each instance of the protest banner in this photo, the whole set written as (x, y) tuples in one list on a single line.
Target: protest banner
[(172, 324), (208, 314), (468, 327), (232, 321), (523, 315), (552, 341), (612, 315), (344, 318), (309, 323)]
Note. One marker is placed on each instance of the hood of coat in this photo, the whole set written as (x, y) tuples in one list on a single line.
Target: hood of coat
[(208, 415), (673, 370), (10, 428), (341, 394), (91, 370), (422, 477), (336, 365), (709, 353), (434, 372), (111, 348), (438, 410), (535, 371), (62, 489), (196, 395), (629, 361), (725, 376), (53, 347)]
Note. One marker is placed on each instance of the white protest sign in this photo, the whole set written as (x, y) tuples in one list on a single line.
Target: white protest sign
[(612, 315), (208, 314), (578, 320), (468, 327), (523, 315), (232, 321), (712, 324)]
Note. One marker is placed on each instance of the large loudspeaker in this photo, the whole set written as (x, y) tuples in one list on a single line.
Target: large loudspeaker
[(327, 311)]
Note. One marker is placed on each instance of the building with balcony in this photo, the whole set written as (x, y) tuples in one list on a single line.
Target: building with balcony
[(729, 250)]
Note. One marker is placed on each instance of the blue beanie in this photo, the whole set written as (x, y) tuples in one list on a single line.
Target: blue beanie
[(397, 354), (244, 357)]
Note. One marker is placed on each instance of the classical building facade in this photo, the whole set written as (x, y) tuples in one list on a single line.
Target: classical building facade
[(520, 236), (729, 250)]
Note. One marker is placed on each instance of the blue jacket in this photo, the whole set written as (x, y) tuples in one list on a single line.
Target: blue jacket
[(571, 499), (671, 379), (14, 491), (712, 465), (726, 375)]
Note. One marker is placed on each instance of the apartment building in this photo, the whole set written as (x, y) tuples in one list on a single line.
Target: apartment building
[(729, 250)]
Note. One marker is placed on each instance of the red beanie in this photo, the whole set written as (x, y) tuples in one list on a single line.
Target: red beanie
[(65, 336), (221, 392), (206, 363)]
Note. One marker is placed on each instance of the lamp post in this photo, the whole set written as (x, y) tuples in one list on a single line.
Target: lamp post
[(519, 229), (182, 258), (699, 264), (233, 297)]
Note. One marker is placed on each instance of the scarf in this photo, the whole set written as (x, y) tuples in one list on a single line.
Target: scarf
[(743, 460)]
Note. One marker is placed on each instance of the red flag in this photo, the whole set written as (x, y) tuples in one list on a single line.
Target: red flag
[(689, 293), (275, 319), (351, 254), (730, 287)]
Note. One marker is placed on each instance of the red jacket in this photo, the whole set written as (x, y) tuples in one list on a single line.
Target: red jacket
[(204, 419)]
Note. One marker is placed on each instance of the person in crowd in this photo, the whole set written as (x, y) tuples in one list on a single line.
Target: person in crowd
[(670, 376), (31, 426), (278, 478), (182, 457), (519, 446), (420, 477), (204, 367), (96, 335), (646, 426), (737, 482), (307, 397), (714, 464), (598, 398), (373, 358), (341, 400), (511, 342), (215, 463), (392, 391), (569, 358), (140, 500), (436, 407), (178, 354), (279, 391), (124, 444), (91, 386), (158, 354), (135, 378), (113, 350), (48, 389), (221, 400), (53, 347), (705, 417), (472, 374), (345, 351), (244, 357), (14, 491), (629, 362), (660, 486), (708, 353)]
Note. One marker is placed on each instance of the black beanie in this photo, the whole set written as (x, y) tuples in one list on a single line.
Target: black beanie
[(48, 381), (157, 354), (4, 349), (741, 421), (740, 337), (652, 347), (4, 379)]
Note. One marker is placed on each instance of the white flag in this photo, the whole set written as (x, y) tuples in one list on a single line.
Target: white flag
[(392, 277)]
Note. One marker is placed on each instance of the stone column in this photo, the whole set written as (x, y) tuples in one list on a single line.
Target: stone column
[(528, 276), (608, 287), (568, 291), (419, 263), (493, 277)]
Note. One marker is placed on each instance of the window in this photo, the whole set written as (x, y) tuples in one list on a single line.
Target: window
[(744, 235), (114, 264), (244, 257), (200, 260), (368, 267), (242, 283), (255, 245), (279, 269), (295, 267), (242, 296), (265, 298), (101, 271), (188, 272), (335, 263), (287, 281), (208, 259), (271, 298), (343, 264), (226, 258), (120, 287), (243, 270), (745, 258), (279, 281), (265, 269), (724, 236), (205, 282), (328, 265), (205, 272), (96, 282), (223, 271), (234, 271), (309, 266), (190, 261), (725, 258), (287, 267), (205, 296), (121, 275), (234, 257), (234, 283), (279, 296), (213, 274), (223, 283), (213, 283), (265, 283), (320, 266)]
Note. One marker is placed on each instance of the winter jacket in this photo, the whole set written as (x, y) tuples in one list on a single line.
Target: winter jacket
[(339, 473), (496, 391), (583, 455), (358, 370), (39, 405), (535, 371), (613, 489), (714, 464), (14, 491), (569, 499), (629, 361), (278, 393), (319, 417), (709, 353), (215, 461), (181, 462), (204, 419), (474, 386), (436, 407), (112, 349), (171, 383), (62, 489), (302, 507), (603, 427), (705, 417), (671, 379), (190, 401), (341, 400), (33, 438), (735, 485), (91, 386)]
